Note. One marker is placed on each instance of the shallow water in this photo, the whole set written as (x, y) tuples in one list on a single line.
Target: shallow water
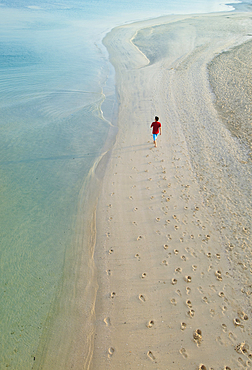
[(54, 73)]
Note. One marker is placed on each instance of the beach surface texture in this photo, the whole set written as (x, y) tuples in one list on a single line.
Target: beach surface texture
[(173, 242)]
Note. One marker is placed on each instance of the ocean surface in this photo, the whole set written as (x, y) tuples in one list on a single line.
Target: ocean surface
[(57, 104)]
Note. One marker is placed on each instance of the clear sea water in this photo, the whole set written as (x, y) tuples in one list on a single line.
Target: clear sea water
[(54, 77)]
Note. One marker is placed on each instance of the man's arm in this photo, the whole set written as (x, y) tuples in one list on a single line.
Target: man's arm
[(160, 130)]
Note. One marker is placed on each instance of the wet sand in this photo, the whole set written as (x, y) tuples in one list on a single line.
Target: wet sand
[(173, 223)]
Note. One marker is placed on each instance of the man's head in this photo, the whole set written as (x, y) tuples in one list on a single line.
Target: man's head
[(156, 118)]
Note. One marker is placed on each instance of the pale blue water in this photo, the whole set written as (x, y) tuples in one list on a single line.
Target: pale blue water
[(53, 69)]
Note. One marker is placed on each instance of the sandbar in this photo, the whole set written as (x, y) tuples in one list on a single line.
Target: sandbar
[(173, 223)]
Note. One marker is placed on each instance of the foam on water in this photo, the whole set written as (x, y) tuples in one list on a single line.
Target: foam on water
[(54, 76)]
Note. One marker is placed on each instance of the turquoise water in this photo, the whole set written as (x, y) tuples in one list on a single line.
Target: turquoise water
[(54, 76)]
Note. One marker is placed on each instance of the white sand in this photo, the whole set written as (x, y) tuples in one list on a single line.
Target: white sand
[(173, 248)]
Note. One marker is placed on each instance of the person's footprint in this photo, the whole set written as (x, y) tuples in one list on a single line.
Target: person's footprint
[(166, 246), (242, 362), (204, 299), (179, 293), (183, 352), (108, 272), (242, 315), (212, 286), (189, 303), (218, 275), (151, 356), (191, 313), (137, 256), (232, 337), (237, 322), (111, 351), (173, 301), (112, 295), (150, 324), (224, 327), (143, 275), (174, 281), (107, 321), (220, 341), (197, 336), (200, 289), (212, 312), (142, 297), (202, 367), (183, 326), (188, 279), (188, 290)]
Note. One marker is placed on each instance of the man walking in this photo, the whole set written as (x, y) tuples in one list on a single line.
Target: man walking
[(156, 125)]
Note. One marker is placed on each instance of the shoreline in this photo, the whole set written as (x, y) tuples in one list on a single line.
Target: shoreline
[(171, 294), (67, 340)]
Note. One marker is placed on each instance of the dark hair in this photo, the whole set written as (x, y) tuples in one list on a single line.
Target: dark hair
[(156, 118)]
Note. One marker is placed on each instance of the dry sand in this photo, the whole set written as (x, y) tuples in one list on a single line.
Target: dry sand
[(173, 247)]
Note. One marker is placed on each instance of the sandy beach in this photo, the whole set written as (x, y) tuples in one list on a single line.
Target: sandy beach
[(173, 223)]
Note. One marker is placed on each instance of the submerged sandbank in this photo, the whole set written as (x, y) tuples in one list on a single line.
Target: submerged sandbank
[(173, 239)]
